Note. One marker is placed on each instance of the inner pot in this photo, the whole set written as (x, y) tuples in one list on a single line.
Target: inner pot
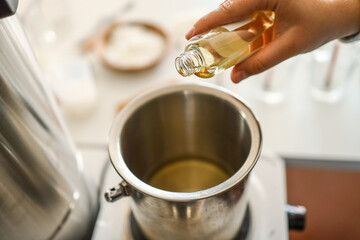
[(185, 141)]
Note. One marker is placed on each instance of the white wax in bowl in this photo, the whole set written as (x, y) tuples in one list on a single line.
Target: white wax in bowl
[(133, 46)]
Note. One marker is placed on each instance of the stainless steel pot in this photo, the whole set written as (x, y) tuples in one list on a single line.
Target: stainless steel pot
[(186, 120)]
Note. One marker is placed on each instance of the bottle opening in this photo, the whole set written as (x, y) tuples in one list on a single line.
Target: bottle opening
[(189, 63), (183, 65)]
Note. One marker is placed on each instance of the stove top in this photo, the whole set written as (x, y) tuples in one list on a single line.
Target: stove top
[(266, 216)]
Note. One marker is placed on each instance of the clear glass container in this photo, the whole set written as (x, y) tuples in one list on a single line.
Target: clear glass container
[(222, 47)]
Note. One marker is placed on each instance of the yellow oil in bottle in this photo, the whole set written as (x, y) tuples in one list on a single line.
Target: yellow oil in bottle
[(221, 48), (188, 175)]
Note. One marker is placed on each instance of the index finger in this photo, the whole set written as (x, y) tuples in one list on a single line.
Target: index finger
[(228, 12)]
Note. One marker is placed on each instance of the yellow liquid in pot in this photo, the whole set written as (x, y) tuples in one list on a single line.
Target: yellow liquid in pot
[(188, 175)]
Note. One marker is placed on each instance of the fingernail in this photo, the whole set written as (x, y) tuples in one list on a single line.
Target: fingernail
[(190, 33), (239, 76)]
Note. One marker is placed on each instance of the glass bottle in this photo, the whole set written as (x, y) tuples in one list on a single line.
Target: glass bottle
[(222, 47)]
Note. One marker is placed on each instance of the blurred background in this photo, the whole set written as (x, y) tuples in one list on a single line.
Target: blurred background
[(308, 106)]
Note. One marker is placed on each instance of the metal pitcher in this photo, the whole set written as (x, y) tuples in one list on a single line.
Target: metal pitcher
[(43, 194)]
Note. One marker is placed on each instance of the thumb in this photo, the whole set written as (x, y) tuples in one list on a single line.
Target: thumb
[(228, 12), (280, 49)]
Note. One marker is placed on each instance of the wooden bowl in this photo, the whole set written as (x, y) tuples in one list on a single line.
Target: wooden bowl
[(103, 42)]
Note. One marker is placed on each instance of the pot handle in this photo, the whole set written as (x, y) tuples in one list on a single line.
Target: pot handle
[(117, 192), (296, 217)]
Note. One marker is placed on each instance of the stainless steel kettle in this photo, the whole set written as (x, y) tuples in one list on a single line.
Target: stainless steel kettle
[(43, 193)]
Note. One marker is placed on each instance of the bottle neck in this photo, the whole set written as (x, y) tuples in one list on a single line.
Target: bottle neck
[(189, 62)]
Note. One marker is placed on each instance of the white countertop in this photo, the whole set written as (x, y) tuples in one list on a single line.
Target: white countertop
[(299, 126)]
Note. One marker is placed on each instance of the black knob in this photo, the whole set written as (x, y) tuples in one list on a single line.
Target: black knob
[(8, 7), (296, 217)]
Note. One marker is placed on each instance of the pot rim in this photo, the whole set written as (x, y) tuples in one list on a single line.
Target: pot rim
[(199, 87)]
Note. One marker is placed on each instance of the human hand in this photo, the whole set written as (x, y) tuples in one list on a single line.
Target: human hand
[(300, 27)]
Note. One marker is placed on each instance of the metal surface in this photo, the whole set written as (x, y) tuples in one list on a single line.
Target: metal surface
[(296, 217), (117, 192), (8, 7), (243, 232), (186, 120), (41, 186)]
